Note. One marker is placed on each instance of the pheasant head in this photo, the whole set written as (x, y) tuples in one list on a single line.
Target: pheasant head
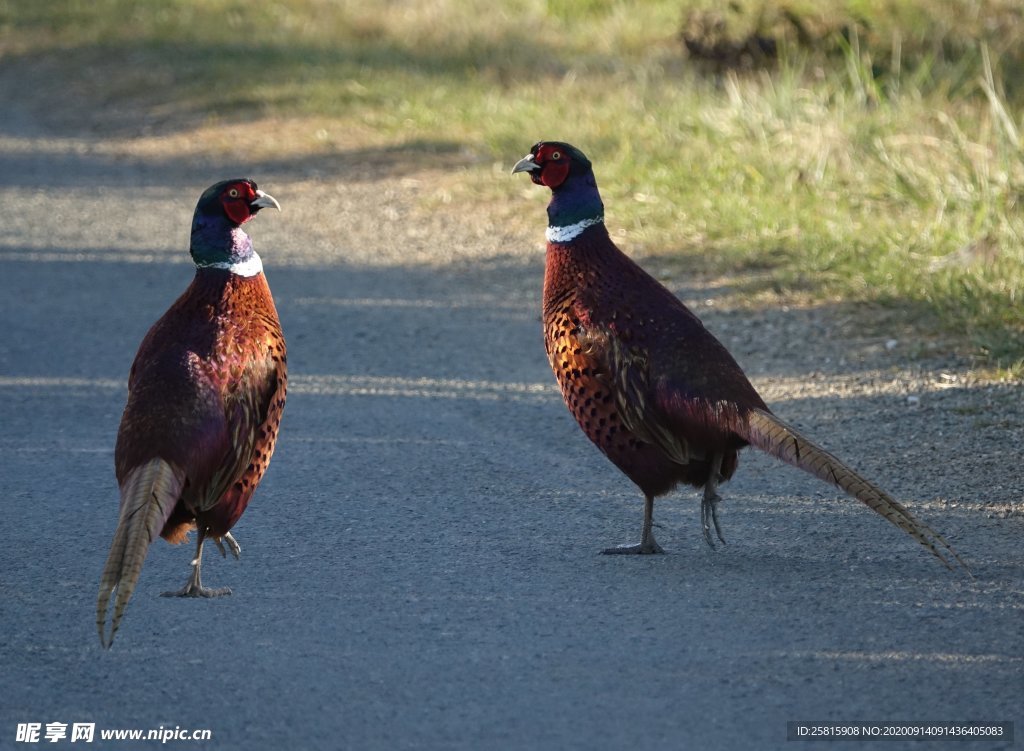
[(575, 201), (217, 237)]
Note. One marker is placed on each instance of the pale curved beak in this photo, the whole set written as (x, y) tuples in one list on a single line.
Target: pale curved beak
[(264, 201), (526, 164)]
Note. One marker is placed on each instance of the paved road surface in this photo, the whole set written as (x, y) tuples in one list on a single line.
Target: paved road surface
[(420, 567)]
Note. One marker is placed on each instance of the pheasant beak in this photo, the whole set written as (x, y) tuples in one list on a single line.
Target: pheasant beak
[(264, 201), (526, 164)]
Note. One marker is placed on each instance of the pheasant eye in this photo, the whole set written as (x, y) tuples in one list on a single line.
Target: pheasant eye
[(233, 192), (556, 155)]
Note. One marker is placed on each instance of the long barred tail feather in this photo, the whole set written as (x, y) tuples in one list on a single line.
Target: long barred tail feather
[(773, 436), (148, 496)]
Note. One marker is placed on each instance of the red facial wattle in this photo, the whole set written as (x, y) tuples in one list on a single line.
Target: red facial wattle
[(237, 210), (236, 200), (553, 173)]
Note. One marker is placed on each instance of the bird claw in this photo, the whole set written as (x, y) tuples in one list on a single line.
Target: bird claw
[(236, 549), (194, 587), (649, 547), (193, 590), (709, 516)]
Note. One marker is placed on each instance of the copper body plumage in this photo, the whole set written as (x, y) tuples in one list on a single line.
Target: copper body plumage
[(601, 317), (206, 392), (205, 396)]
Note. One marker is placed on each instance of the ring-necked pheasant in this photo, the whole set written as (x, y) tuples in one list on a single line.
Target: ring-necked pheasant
[(648, 384), (205, 396)]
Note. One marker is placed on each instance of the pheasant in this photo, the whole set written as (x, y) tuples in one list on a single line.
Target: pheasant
[(205, 397), (650, 386)]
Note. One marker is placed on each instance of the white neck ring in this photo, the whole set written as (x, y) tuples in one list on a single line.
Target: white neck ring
[(570, 232), (249, 267)]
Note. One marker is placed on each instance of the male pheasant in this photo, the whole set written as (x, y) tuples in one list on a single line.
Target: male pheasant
[(205, 396), (647, 383)]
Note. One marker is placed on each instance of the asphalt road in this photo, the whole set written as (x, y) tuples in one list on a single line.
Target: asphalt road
[(420, 566)]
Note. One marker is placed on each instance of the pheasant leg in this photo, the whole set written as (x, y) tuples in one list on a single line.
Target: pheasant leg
[(709, 503), (194, 587), (647, 544)]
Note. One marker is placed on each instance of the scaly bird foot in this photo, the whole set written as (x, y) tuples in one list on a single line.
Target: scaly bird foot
[(647, 547), (193, 590), (236, 549), (647, 544), (709, 516), (194, 587)]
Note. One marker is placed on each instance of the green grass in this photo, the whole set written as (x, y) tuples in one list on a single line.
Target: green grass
[(877, 160)]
